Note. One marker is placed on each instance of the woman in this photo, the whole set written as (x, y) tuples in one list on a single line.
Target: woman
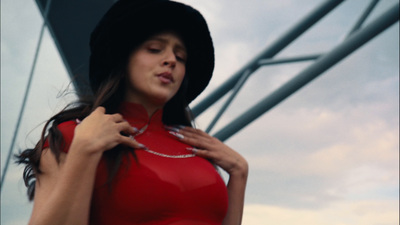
[(129, 154)]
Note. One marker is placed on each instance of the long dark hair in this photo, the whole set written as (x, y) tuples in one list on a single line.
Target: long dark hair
[(110, 95)]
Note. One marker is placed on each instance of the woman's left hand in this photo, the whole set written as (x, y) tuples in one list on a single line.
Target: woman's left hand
[(211, 148), (223, 156)]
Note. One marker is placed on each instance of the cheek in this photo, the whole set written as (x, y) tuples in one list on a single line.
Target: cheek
[(132, 76), (136, 71)]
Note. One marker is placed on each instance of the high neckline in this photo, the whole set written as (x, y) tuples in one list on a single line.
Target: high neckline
[(137, 115)]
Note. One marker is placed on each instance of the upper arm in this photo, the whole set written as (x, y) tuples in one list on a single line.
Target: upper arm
[(47, 179), (49, 166)]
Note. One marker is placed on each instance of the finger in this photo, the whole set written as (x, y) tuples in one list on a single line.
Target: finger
[(100, 109), (178, 135), (126, 128), (189, 131), (190, 138), (193, 141), (196, 137), (199, 152), (117, 118), (186, 131), (175, 129), (193, 137), (131, 142)]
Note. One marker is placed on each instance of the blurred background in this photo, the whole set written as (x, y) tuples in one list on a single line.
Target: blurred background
[(328, 154)]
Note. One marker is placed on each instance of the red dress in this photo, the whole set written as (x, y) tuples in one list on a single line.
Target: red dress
[(160, 188)]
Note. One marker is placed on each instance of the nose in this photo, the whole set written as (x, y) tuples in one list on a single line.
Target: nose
[(169, 59)]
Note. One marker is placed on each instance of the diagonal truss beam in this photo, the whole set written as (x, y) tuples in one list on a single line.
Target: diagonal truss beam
[(357, 38), (291, 35)]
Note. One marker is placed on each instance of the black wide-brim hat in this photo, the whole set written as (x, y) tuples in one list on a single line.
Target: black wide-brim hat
[(128, 23)]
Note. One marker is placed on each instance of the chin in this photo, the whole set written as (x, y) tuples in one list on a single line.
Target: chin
[(158, 96), (161, 100), (164, 96)]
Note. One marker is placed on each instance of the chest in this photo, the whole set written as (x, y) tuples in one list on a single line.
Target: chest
[(157, 188)]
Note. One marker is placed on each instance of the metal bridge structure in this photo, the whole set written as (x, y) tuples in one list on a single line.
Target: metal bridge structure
[(70, 23)]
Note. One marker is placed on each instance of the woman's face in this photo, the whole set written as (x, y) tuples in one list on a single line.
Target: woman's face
[(156, 70)]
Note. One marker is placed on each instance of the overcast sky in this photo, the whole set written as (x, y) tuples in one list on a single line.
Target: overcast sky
[(327, 155)]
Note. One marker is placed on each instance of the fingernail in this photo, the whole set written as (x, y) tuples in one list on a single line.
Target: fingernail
[(194, 150), (78, 121), (180, 136), (142, 146), (135, 129), (175, 129)]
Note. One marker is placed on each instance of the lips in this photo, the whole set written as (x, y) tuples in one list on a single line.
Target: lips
[(165, 78)]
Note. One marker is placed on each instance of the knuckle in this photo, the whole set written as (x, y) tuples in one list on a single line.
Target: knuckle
[(100, 109), (214, 140), (118, 137), (193, 142), (126, 126), (203, 153), (197, 131), (108, 118)]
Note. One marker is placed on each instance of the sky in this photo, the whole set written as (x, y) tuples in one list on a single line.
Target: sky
[(327, 155)]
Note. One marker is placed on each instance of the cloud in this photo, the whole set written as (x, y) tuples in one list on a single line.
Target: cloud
[(312, 156), (343, 213)]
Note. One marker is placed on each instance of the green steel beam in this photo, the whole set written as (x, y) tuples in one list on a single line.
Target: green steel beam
[(323, 63), (363, 17), (246, 75), (235, 90), (271, 51), (266, 62)]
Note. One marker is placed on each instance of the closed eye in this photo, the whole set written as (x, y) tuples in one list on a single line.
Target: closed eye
[(181, 56), (181, 59), (154, 50)]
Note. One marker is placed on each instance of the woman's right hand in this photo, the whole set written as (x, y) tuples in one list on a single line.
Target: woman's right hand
[(100, 132), (64, 188)]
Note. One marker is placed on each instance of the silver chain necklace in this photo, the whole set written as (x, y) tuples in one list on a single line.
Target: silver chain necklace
[(170, 156), (141, 131)]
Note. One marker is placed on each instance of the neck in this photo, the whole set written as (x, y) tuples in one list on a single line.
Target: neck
[(150, 108)]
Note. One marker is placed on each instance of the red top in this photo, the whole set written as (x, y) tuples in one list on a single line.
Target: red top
[(158, 189)]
